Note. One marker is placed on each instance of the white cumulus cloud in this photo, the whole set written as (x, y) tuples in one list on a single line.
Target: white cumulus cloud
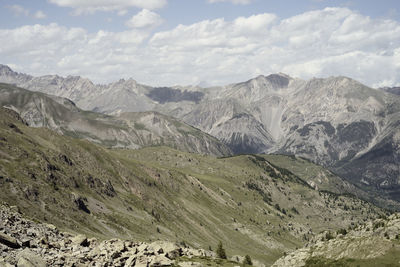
[(144, 19), (319, 43), (39, 15), (22, 11), (85, 7), (18, 10)]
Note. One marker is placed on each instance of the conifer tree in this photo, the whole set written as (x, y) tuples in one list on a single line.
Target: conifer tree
[(221, 251), (247, 260)]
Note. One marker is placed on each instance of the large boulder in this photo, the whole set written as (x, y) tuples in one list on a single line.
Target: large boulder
[(160, 260), (80, 240), (9, 241), (28, 258), (170, 249), (130, 262), (3, 263)]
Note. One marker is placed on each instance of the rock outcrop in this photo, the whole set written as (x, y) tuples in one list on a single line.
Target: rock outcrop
[(27, 243), (376, 240)]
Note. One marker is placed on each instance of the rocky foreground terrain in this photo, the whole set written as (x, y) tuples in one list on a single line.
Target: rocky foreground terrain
[(27, 243), (24, 242), (375, 243)]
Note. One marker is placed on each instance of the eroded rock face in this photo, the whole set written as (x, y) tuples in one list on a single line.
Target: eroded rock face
[(25, 243), (127, 130)]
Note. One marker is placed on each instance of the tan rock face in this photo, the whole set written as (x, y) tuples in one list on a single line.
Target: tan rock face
[(28, 258)]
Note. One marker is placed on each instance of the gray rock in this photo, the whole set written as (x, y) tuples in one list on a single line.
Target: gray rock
[(26, 242), (130, 262), (142, 261), (80, 240), (3, 263), (170, 249), (14, 209), (9, 241), (28, 258), (51, 226), (119, 246), (143, 247), (161, 260)]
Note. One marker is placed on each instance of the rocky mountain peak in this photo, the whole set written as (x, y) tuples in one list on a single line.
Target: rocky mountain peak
[(128, 84), (279, 80), (7, 75), (273, 82), (4, 70), (336, 85), (71, 78)]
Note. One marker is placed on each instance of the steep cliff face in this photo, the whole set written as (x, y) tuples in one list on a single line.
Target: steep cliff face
[(229, 122)]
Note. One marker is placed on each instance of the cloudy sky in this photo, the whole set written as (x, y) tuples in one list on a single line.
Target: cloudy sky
[(206, 42)]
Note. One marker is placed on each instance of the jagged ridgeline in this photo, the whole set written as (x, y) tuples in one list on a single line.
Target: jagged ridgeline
[(336, 122), (126, 130), (251, 204)]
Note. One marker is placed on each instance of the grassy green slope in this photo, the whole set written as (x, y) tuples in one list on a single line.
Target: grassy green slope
[(375, 243), (249, 204), (325, 180)]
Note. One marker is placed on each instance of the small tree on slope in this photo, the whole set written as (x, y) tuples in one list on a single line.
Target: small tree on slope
[(247, 260), (221, 251)]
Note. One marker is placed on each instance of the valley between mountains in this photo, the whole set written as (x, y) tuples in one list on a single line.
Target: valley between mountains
[(265, 167), (336, 122)]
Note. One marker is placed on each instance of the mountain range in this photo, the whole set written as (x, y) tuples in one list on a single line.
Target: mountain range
[(127, 130), (393, 90), (253, 204), (337, 122)]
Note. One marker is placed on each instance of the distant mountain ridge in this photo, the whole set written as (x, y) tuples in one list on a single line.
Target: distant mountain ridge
[(127, 130), (337, 122), (392, 90)]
